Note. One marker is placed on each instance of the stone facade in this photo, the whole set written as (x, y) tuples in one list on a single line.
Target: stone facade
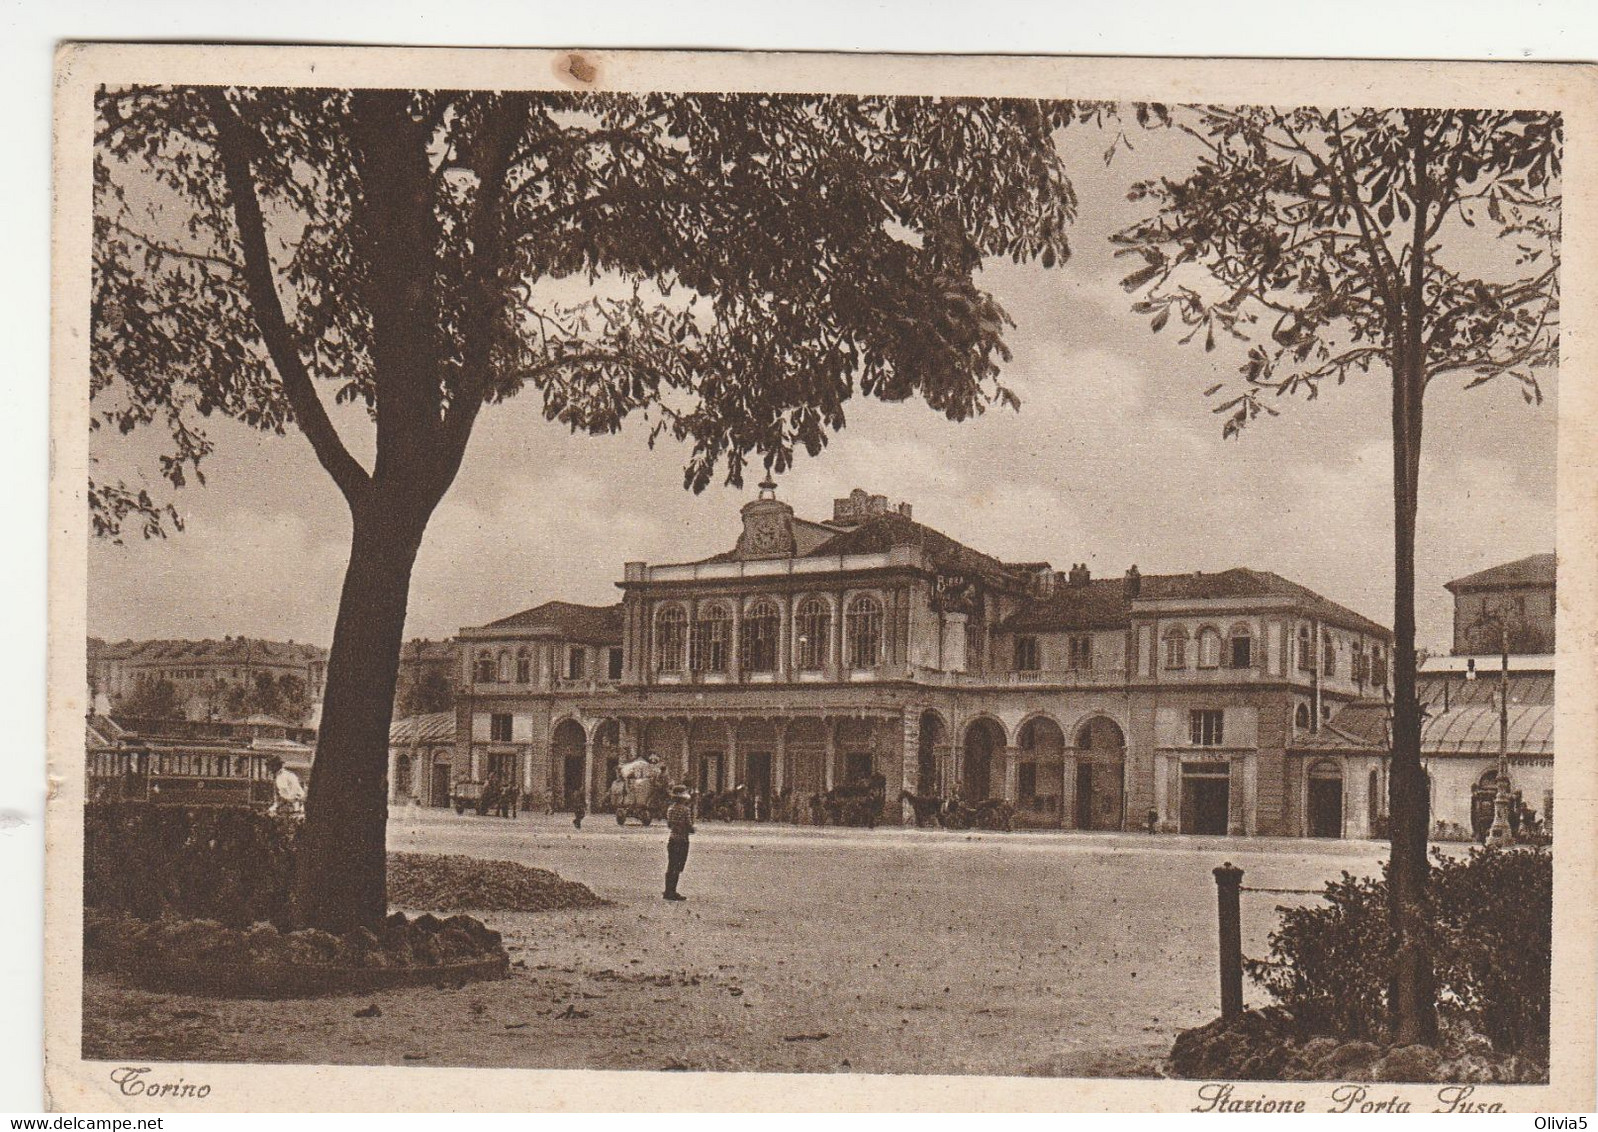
[(814, 654)]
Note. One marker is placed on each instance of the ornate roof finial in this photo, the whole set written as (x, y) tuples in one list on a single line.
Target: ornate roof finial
[(768, 487)]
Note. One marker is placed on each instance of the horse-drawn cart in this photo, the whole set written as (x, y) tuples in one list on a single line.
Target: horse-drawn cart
[(639, 792)]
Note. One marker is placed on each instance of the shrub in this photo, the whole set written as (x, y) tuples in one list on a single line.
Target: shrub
[(1491, 921), (231, 864)]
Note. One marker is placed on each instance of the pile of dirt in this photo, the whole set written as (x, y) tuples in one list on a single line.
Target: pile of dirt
[(1266, 1045), (460, 883), (118, 940)]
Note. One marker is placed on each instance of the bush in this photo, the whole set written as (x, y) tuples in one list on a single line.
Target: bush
[(1491, 918), (231, 864)]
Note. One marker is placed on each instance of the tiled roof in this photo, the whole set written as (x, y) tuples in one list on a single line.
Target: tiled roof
[(886, 531), (592, 624), (1534, 570), (1104, 604), (1100, 604), (422, 730), (230, 650)]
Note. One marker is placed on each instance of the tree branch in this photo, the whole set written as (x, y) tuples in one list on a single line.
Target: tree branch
[(234, 142)]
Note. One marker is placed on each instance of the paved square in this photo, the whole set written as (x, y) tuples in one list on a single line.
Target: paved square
[(886, 951)]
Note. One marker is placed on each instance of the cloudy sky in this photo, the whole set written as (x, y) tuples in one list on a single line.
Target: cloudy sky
[(1114, 458)]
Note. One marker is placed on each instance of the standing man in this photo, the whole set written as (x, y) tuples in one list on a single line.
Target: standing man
[(680, 821)]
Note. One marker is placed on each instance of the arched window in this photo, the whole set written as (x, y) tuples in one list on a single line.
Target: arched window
[(485, 668), (863, 625), (1209, 642), (1306, 650), (524, 667), (504, 667), (671, 632), (712, 634), (1301, 717), (813, 625), (1328, 655), (1176, 648), (758, 637), (402, 776), (1240, 647)]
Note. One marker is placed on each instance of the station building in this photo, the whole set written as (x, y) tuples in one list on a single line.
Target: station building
[(812, 653)]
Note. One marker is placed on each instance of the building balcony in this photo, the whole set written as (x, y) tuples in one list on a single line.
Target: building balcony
[(1063, 678)]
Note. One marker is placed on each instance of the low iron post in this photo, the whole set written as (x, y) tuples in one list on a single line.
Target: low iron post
[(1228, 890)]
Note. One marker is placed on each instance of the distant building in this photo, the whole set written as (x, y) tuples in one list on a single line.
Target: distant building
[(812, 654), (203, 674), (1521, 593), (421, 749), (1460, 711), (516, 675)]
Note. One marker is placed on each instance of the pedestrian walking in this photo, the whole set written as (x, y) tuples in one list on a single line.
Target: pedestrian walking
[(680, 821), (579, 809)]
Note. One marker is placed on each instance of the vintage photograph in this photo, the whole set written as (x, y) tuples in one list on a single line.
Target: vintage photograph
[(583, 569)]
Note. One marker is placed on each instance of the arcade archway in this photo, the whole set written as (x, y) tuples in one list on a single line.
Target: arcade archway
[(1100, 775)]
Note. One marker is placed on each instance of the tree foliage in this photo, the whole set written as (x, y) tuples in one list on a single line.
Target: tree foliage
[(430, 690), (153, 697), (1306, 233), (733, 267)]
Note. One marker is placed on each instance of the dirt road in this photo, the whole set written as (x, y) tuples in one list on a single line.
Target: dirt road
[(810, 950)]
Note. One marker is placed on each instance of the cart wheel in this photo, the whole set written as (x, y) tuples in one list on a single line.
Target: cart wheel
[(646, 817), (621, 817)]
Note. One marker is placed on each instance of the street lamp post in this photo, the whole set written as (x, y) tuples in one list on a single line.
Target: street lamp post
[(1500, 834)]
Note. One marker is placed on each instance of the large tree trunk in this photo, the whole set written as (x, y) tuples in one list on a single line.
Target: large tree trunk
[(1412, 994), (342, 865)]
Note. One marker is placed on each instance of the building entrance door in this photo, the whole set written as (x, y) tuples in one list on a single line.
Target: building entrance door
[(571, 786), (1206, 798), (1084, 795), (439, 796), (1325, 801), (712, 774), (757, 772)]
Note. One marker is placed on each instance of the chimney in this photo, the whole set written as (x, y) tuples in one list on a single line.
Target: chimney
[(860, 506), (1134, 583), (1079, 575)]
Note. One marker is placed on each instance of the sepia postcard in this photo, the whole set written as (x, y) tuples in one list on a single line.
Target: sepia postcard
[(591, 580)]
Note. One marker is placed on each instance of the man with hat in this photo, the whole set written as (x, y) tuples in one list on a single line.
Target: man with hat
[(680, 821)]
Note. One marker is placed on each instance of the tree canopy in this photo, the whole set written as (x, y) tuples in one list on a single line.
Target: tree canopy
[(1303, 232), (734, 267)]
